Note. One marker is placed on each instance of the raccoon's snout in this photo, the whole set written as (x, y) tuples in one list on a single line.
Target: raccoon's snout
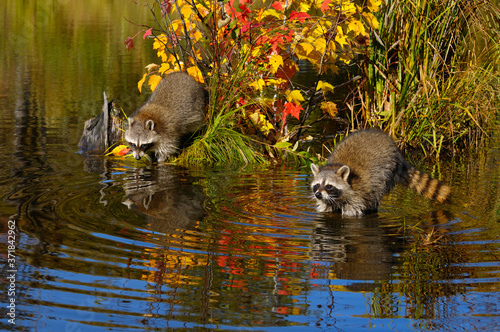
[(318, 195), (137, 154)]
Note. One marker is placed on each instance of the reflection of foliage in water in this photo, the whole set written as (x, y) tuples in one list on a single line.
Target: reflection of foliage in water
[(237, 261), (420, 281)]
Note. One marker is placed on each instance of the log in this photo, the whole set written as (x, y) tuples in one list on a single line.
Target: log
[(105, 130)]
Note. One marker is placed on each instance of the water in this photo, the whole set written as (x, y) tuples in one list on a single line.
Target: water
[(101, 244)]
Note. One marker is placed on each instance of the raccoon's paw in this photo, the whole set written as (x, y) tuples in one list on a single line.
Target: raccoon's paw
[(322, 206), (350, 211)]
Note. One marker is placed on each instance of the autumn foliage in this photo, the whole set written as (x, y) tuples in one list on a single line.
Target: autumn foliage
[(265, 43)]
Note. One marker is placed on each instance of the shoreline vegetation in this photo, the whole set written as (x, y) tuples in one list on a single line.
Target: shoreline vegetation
[(426, 72)]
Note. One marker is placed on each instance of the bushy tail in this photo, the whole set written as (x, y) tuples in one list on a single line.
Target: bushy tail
[(427, 186)]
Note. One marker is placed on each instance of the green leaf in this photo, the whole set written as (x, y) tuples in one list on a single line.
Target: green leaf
[(282, 145)]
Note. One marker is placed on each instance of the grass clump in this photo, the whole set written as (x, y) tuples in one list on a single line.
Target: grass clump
[(431, 73), (220, 141)]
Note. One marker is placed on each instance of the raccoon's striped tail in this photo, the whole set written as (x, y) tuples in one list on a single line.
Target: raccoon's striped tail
[(427, 186)]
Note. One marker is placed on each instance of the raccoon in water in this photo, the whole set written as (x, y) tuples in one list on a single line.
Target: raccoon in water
[(175, 109), (362, 169)]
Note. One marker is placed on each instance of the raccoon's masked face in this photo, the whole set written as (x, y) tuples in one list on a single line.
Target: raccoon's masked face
[(329, 186), (141, 137)]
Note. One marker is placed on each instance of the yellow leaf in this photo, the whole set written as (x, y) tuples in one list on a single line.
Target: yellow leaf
[(159, 42), (197, 53), (348, 8), (177, 26), (273, 81), (258, 84), (254, 117), (202, 9), (374, 5), (294, 95), (304, 7), (256, 51), (329, 108), (171, 58), (275, 61), (163, 68), (197, 35), (340, 37), (153, 81), (357, 27), (305, 48), (265, 126), (271, 13), (178, 66), (324, 86), (259, 120), (372, 20), (196, 74), (162, 55), (332, 47), (245, 48), (186, 11), (320, 45), (318, 3), (120, 150), (141, 82)]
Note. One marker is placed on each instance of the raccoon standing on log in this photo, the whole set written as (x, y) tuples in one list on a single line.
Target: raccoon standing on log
[(175, 109), (364, 167)]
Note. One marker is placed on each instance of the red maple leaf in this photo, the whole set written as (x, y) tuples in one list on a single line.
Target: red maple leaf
[(243, 12), (278, 5), (262, 40), (147, 33), (291, 109), (129, 44), (246, 27), (301, 16)]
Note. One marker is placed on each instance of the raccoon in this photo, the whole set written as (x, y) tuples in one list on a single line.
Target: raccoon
[(362, 169), (175, 109)]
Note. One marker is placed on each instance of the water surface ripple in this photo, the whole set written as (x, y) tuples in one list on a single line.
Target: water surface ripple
[(119, 247)]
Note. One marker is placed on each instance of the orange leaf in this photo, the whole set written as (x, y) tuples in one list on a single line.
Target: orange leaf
[(324, 6), (330, 108), (120, 150)]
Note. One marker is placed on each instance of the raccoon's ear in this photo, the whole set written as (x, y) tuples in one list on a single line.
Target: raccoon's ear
[(150, 125), (343, 172), (314, 169)]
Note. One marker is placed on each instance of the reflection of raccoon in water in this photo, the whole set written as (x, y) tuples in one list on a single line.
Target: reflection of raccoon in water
[(362, 168), (176, 108), (166, 197)]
